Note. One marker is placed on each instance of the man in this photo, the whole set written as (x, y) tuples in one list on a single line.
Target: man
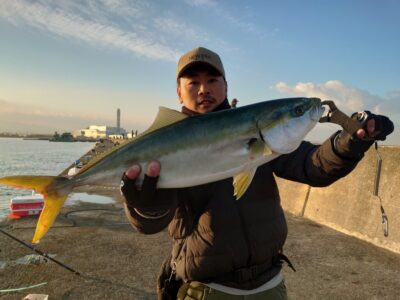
[(224, 248)]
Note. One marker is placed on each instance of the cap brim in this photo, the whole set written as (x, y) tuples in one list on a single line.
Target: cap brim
[(197, 63)]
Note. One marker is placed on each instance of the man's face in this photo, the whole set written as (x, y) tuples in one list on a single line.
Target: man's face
[(201, 91)]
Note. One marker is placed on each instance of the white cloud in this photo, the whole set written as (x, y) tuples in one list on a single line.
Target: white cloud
[(92, 23), (123, 7), (180, 30), (144, 28), (201, 3), (226, 15), (347, 98)]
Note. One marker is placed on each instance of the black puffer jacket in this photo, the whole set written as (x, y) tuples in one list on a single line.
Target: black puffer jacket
[(232, 242)]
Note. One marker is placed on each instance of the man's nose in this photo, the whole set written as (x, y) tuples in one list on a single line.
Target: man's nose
[(204, 88)]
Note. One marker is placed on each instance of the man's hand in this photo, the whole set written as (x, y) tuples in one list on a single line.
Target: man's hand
[(153, 170), (369, 129), (139, 196), (145, 200), (376, 128)]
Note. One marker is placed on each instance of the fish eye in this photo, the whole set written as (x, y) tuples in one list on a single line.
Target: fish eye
[(299, 110)]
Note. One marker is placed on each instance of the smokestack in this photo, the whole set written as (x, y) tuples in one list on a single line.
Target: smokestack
[(118, 120)]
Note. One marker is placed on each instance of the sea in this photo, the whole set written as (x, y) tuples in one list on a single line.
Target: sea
[(39, 157)]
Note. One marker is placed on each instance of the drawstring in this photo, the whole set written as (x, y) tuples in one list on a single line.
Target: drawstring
[(286, 259)]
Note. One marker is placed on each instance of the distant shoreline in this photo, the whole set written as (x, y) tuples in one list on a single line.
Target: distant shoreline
[(28, 136), (45, 138)]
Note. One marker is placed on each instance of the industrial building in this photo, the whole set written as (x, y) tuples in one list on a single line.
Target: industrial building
[(102, 131)]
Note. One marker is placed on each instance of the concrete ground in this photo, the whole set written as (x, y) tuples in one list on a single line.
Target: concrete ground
[(115, 262)]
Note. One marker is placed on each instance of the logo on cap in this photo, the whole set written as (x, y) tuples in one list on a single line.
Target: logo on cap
[(200, 57)]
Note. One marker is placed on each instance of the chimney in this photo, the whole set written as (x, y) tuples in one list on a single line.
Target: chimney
[(118, 121)]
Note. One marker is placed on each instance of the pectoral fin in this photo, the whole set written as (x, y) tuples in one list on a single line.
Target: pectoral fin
[(257, 147), (242, 181), (267, 150)]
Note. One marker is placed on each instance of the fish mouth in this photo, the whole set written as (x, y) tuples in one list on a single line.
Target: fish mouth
[(317, 111)]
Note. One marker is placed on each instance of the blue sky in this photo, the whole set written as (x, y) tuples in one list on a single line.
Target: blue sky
[(67, 64)]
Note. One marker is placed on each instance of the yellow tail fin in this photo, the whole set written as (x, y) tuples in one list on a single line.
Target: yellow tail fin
[(54, 190)]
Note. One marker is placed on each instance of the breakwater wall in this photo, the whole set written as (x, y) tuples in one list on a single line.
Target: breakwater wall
[(349, 205)]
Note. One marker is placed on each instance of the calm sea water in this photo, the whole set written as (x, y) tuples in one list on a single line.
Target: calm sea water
[(34, 157)]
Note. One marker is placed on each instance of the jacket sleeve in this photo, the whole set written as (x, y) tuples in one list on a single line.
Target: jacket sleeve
[(155, 217), (315, 165)]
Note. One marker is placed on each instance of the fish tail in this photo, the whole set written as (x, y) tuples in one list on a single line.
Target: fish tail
[(55, 190)]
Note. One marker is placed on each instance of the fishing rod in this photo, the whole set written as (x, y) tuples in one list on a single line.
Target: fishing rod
[(92, 278), (46, 256)]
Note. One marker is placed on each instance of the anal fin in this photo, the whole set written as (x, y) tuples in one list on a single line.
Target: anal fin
[(242, 181)]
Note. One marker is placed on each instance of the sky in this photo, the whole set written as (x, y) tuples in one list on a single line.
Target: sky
[(68, 64)]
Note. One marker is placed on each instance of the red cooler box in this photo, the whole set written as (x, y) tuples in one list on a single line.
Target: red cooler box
[(30, 205)]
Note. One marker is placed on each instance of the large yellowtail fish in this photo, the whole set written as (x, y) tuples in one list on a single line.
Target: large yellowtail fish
[(192, 151)]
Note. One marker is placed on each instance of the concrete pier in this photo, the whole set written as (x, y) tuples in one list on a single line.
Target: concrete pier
[(349, 205)]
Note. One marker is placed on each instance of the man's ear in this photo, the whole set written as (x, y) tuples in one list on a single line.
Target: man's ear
[(178, 92)]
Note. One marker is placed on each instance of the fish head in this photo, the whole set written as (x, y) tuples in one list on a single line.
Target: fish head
[(286, 124)]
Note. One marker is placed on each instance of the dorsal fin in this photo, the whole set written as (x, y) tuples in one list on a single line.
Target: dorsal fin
[(165, 117)]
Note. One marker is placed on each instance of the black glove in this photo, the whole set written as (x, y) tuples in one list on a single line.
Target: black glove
[(350, 147), (148, 201), (383, 125)]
